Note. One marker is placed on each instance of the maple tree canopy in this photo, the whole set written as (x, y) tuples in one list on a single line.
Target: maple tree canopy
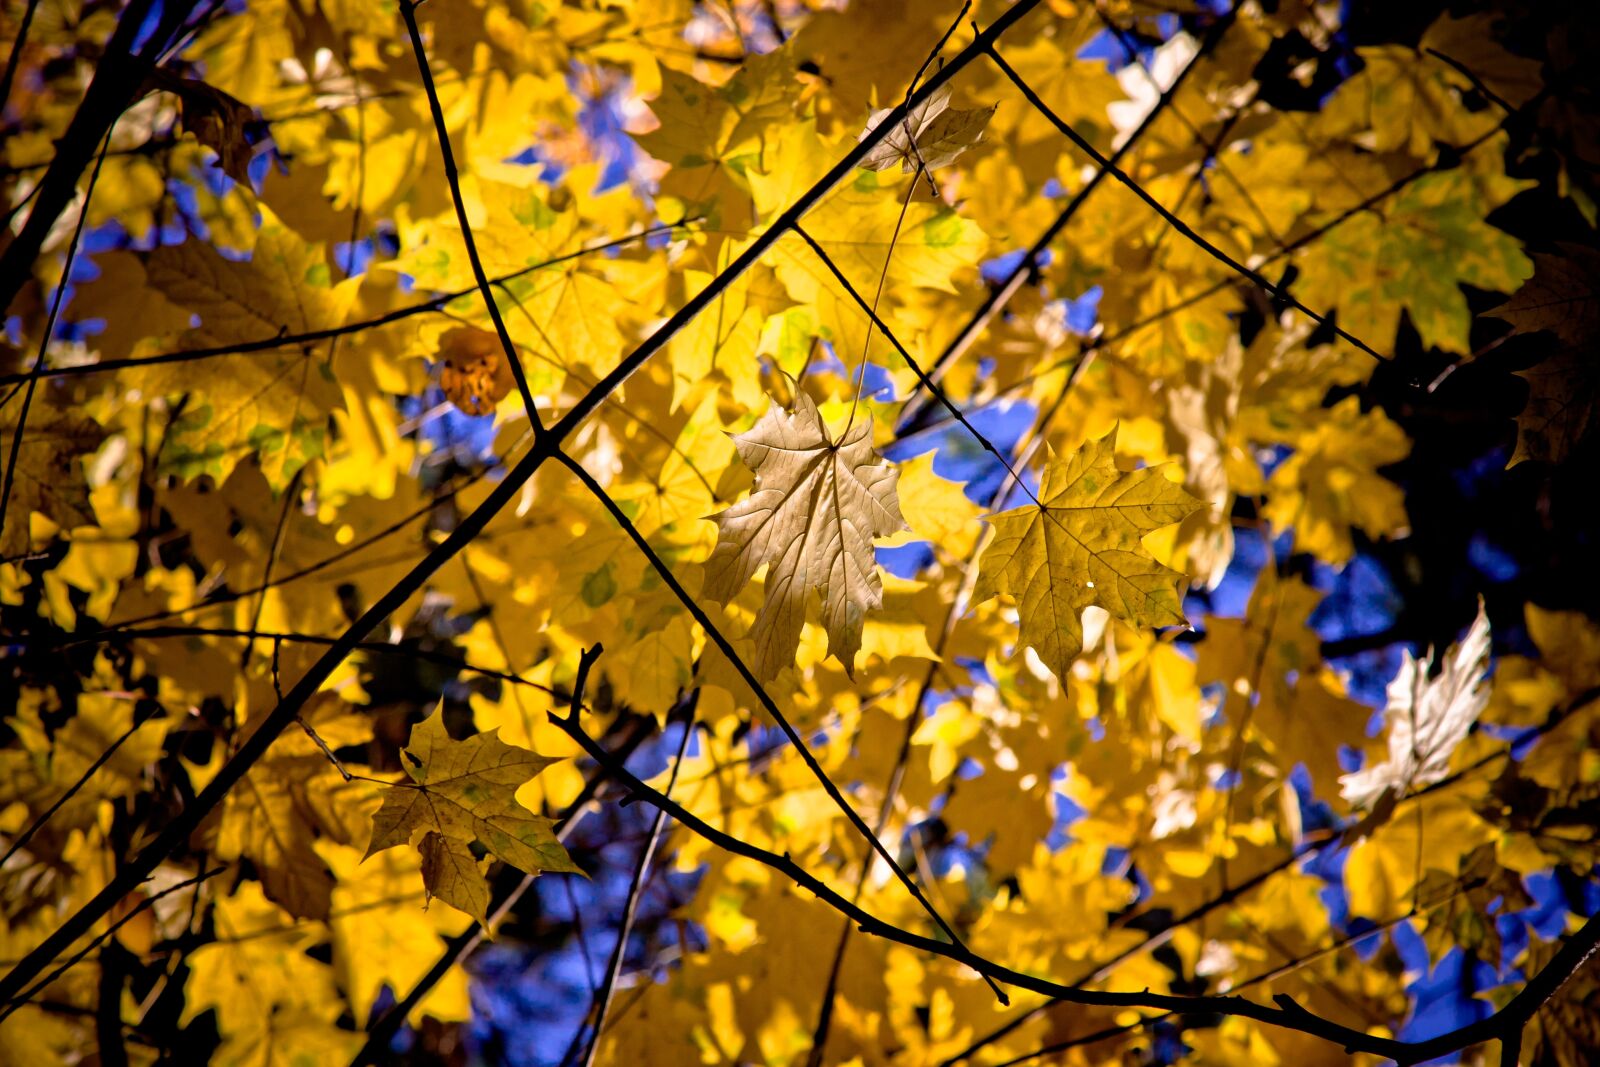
[(799, 532)]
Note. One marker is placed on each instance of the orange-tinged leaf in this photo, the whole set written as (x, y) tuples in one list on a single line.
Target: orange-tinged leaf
[(475, 374)]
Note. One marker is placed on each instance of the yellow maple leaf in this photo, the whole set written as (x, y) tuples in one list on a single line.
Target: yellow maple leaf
[(47, 475), (274, 403), (1081, 545), (293, 796), (257, 967), (1332, 483), (383, 937), (938, 510)]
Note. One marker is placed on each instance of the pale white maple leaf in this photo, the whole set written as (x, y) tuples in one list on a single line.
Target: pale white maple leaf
[(817, 505), (1427, 719), (933, 132)]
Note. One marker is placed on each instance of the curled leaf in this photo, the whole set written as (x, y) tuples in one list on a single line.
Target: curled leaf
[(217, 120), (933, 132), (1427, 718), (475, 376)]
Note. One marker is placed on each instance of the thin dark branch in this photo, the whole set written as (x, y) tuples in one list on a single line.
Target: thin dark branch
[(290, 498), (726, 648), (14, 1002), (15, 57), (408, 11), (545, 446), (911, 137), (1271, 974), (1511, 1047), (44, 340), (309, 337), (381, 1031), (1477, 83), (630, 905), (1172, 220), (1354, 644), (1287, 1013), (311, 568), (830, 992), (109, 1044), (1105, 341), (44, 817), (1153, 938), (997, 298), (384, 647), (119, 75), (1130, 49), (1556, 717), (883, 328)]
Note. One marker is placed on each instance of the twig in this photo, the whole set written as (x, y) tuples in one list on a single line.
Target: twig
[(958, 607), (15, 57), (1105, 341), (44, 339), (23, 838), (997, 298), (631, 904), (118, 77), (1576, 949), (408, 11), (1172, 220), (289, 340), (873, 321), (1269, 975), (15, 1002), (290, 498), (182, 825), (326, 751), (726, 648)]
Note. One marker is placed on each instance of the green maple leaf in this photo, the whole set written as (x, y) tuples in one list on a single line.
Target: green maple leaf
[(465, 791), (1414, 258)]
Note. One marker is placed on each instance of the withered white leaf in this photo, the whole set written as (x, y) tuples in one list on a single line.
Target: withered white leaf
[(934, 130), (1427, 718), (811, 519)]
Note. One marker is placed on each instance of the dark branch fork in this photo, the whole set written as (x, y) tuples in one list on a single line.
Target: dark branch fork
[(546, 446), (919, 424)]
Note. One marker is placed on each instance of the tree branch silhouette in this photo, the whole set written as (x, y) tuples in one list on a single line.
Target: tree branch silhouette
[(546, 445), (1287, 1013)]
